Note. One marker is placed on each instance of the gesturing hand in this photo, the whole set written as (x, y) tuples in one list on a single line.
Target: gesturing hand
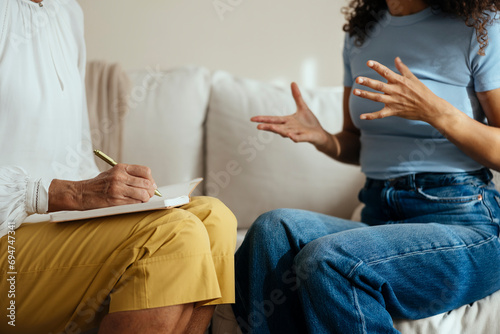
[(403, 95), (302, 126), (122, 184)]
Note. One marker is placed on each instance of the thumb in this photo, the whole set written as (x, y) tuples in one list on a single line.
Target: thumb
[(297, 96), (403, 69)]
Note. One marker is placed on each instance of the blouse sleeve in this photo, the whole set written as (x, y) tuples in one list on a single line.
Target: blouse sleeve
[(486, 69), (20, 196)]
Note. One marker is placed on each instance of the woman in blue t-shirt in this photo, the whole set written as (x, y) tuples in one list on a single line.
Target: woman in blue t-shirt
[(425, 133)]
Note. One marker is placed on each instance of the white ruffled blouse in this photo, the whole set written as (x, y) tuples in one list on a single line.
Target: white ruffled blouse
[(44, 128)]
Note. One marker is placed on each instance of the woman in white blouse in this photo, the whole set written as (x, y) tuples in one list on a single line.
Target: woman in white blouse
[(141, 272)]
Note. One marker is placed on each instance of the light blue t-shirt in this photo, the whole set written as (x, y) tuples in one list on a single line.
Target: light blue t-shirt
[(442, 51)]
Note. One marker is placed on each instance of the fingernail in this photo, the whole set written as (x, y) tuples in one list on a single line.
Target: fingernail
[(361, 80), (371, 63), (154, 185), (362, 116), (357, 92)]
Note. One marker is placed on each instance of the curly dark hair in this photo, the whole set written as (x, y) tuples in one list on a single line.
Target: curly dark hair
[(476, 14)]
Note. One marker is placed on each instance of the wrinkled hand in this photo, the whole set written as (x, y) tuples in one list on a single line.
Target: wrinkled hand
[(302, 126), (122, 184), (403, 95)]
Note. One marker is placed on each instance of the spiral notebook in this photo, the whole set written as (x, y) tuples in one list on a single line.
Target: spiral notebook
[(174, 195)]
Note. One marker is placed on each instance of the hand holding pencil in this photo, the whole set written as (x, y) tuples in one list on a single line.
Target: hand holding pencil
[(122, 184), (113, 163)]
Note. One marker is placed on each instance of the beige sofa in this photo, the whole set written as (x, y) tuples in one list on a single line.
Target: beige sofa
[(191, 122)]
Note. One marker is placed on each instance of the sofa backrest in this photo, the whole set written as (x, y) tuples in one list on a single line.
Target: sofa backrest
[(189, 122), (254, 171), (164, 127)]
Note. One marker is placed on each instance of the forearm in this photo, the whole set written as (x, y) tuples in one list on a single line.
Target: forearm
[(344, 147), (479, 141), (64, 195)]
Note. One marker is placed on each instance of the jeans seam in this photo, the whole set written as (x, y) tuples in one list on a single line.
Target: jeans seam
[(358, 310), (354, 269), (448, 248), (487, 206)]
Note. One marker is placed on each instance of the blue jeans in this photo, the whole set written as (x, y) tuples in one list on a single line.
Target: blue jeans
[(429, 243)]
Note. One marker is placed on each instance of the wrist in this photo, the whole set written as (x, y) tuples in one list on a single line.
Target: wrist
[(329, 145), (64, 195), (443, 115)]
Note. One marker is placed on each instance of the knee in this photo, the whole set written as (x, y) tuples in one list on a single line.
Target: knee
[(328, 254), (312, 255), (190, 235), (272, 225), (312, 268), (168, 232), (213, 211), (218, 219)]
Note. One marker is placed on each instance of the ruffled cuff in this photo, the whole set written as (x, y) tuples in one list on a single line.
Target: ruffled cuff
[(20, 196), (37, 196)]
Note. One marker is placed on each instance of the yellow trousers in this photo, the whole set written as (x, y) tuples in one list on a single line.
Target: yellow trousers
[(71, 274)]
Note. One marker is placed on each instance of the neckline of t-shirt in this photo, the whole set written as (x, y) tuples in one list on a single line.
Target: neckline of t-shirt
[(410, 19)]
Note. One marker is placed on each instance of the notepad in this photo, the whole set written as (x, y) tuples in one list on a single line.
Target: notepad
[(174, 195)]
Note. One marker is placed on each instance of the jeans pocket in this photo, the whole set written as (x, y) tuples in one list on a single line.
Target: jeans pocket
[(452, 194)]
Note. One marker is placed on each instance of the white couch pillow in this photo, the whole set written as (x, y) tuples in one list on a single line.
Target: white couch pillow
[(164, 128), (254, 171)]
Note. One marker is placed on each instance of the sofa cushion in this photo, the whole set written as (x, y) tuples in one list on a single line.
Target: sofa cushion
[(480, 317), (254, 171), (164, 127)]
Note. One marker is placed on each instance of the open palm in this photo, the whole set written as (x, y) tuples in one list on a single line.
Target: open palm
[(302, 126)]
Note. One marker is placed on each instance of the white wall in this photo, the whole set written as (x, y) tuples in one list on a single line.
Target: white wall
[(270, 40)]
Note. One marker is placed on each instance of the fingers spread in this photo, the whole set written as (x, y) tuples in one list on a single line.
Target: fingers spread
[(403, 69), (384, 71), (297, 96), (374, 84), (377, 97)]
